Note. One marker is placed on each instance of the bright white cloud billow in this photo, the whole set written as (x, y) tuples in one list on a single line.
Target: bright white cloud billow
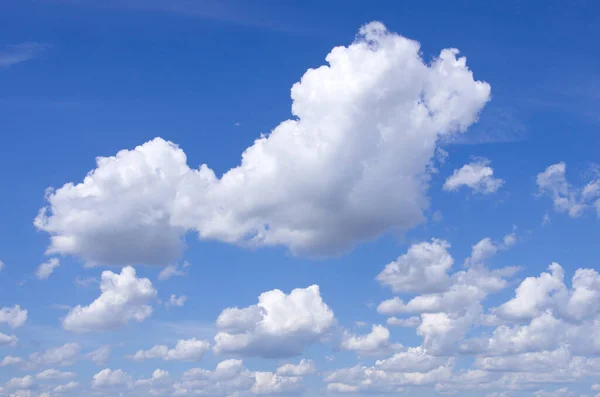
[(477, 175), (279, 325), (124, 297), (363, 172)]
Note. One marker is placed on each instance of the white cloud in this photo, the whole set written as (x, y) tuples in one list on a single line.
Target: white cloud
[(54, 374), (391, 376), (424, 268), (448, 314), (175, 301), (376, 342), (185, 350), (66, 387), (47, 268), (62, 355), (11, 360), (10, 340), (267, 383), (363, 140), (411, 322), (232, 378), (536, 295), (279, 325), (25, 382), (303, 368), (1, 265), (173, 270), (18, 53), (567, 198), (477, 175), (107, 378), (415, 359), (124, 297), (486, 248), (99, 356), (15, 317)]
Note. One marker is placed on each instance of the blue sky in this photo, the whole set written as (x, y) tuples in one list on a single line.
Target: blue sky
[(464, 187)]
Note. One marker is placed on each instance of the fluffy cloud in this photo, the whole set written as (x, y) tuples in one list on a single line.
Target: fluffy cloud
[(424, 268), (303, 368), (66, 387), (175, 301), (62, 355), (567, 198), (411, 322), (446, 315), (15, 317), (376, 342), (185, 350), (107, 378), (10, 360), (124, 297), (537, 295), (486, 248), (353, 163), (47, 268), (231, 377), (54, 374), (477, 175), (279, 325), (391, 376), (25, 382)]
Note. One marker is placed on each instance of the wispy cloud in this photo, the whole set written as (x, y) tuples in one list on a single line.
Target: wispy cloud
[(497, 124), (275, 17), (17, 53)]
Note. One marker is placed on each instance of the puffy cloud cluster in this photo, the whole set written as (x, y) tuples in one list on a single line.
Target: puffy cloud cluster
[(352, 163), (424, 268), (376, 342), (107, 378), (63, 355), (14, 316), (279, 325), (231, 377), (567, 198), (303, 368), (448, 305), (184, 350), (415, 367), (477, 175), (124, 297)]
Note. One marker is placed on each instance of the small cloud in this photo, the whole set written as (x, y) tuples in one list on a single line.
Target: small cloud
[(477, 175), (175, 301), (173, 270), (47, 268), (18, 53), (237, 123)]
